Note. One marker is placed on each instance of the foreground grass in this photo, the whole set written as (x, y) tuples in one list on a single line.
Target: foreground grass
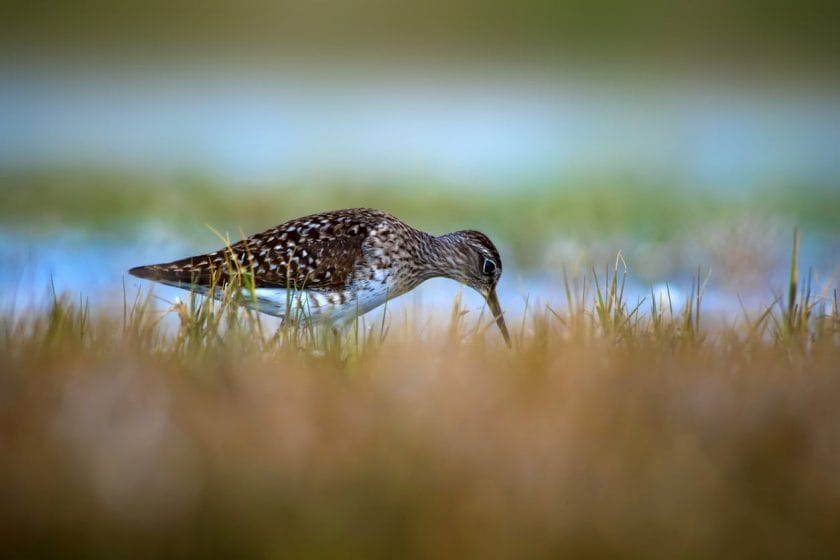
[(610, 430)]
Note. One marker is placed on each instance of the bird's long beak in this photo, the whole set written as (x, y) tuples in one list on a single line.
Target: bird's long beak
[(495, 308)]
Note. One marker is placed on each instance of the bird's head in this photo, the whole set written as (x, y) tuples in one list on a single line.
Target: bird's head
[(478, 265)]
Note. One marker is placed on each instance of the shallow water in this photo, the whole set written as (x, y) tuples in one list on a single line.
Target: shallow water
[(93, 268)]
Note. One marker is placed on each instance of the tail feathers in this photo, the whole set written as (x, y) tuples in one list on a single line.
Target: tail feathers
[(179, 273), (149, 272)]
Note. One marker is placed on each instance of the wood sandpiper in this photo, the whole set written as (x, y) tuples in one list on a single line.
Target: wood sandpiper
[(335, 266)]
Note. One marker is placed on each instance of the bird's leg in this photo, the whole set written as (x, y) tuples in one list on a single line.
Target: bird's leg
[(336, 341), (280, 333)]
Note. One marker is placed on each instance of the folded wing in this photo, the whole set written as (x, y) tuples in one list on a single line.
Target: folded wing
[(317, 252)]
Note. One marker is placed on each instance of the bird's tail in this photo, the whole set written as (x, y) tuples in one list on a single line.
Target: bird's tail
[(185, 272)]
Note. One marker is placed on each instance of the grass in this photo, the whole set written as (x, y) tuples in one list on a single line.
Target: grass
[(527, 216), (611, 429)]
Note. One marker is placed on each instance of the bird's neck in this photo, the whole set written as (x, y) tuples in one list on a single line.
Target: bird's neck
[(442, 255)]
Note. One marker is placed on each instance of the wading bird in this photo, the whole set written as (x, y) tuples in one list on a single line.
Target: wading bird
[(333, 267)]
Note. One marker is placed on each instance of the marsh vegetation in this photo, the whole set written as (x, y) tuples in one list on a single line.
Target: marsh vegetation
[(673, 386), (612, 428)]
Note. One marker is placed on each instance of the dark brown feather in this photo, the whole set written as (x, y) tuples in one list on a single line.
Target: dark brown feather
[(318, 252)]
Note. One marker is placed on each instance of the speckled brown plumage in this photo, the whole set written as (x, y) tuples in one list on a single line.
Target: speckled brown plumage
[(339, 264), (316, 252)]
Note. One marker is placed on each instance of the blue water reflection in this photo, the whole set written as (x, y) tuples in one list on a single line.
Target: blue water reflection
[(93, 268)]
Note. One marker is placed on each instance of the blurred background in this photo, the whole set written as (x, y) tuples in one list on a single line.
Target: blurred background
[(682, 135)]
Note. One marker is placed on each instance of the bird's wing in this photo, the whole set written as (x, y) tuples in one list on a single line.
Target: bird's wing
[(315, 252)]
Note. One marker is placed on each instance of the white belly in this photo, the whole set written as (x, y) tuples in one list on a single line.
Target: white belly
[(306, 305), (315, 306)]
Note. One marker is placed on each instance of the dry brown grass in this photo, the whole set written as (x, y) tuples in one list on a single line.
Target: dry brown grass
[(607, 431)]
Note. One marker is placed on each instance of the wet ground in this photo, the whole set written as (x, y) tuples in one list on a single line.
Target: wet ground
[(93, 267)]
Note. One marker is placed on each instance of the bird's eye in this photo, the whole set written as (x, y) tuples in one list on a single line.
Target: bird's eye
[(489, 267)]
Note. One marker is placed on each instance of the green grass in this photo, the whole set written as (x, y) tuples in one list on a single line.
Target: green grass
[(525, 217), (610, 429)]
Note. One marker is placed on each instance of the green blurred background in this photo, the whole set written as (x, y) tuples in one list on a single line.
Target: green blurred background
[(680, 134)]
